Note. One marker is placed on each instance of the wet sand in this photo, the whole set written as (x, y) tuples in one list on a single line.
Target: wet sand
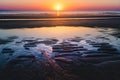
[(69, 61), (9, 21)]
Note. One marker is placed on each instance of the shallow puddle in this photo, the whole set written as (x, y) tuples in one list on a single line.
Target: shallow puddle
[(56, 40)]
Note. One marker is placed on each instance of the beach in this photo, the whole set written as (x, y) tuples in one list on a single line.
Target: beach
[(44, 46)]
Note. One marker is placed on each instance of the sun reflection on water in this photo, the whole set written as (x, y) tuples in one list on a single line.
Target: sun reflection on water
[(59, 32)]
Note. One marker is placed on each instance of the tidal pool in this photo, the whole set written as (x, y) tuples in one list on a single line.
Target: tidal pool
[(32, 40), (63, 33)]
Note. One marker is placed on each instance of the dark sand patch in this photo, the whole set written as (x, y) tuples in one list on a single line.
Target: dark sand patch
[(109, 22)]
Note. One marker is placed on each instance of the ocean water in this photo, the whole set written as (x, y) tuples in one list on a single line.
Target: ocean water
[(62, 12)]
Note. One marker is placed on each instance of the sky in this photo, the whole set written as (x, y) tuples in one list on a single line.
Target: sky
[(65, 4)]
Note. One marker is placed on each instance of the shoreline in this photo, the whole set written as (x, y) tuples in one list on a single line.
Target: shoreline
[(48, 22)]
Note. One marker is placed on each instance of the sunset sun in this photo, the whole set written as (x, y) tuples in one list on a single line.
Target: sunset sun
[(58, 7)]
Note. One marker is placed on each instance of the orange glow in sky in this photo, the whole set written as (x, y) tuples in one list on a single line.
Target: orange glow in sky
[(63, 4)]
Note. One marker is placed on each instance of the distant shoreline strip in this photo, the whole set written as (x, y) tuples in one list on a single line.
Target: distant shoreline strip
[(45, 19)]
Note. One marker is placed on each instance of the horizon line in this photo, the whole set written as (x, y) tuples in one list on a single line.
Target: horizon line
[(54, 10)]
